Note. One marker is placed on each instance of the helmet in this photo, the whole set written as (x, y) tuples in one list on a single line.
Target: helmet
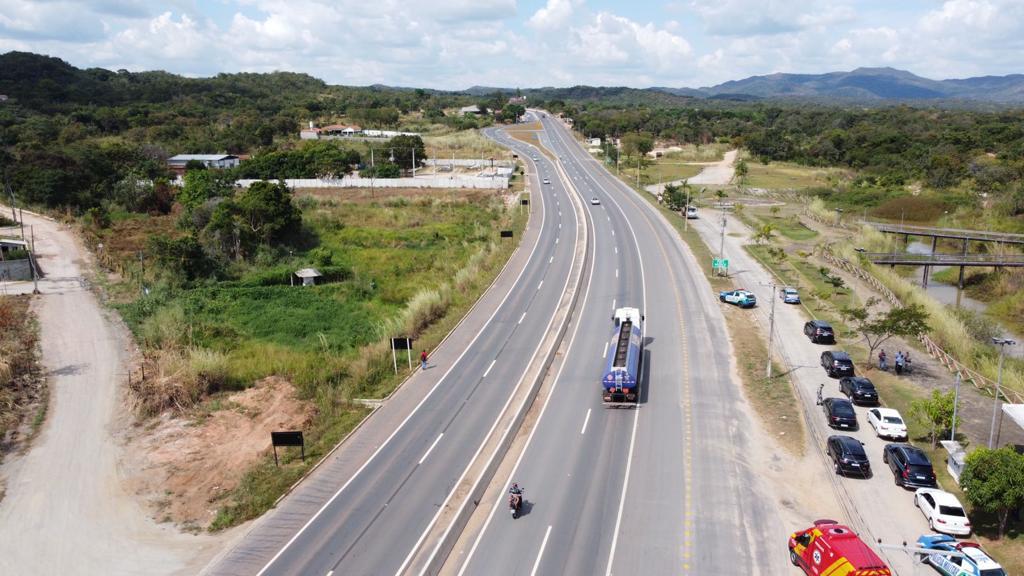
[(515, 485)]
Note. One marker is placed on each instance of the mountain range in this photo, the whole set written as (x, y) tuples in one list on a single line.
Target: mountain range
[(869, 85)]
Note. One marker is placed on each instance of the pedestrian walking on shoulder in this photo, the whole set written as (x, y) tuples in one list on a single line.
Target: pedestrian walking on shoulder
[(899, 363), (882, 361), (423, 360)]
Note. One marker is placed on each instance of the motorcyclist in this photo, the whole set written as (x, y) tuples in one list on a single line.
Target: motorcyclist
[(515, 496), (515, 489)]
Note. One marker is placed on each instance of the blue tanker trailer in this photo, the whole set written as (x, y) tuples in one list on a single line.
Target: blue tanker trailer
[(621, 381)]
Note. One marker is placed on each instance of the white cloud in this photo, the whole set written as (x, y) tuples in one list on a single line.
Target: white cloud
[(555, 14)]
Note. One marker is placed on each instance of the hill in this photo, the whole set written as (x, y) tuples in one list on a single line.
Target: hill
[(871, 84)]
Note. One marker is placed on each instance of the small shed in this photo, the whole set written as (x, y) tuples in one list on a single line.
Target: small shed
[(308, 276)]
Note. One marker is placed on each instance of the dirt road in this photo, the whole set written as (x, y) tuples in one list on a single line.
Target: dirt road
[(66, 510), (714, 174)]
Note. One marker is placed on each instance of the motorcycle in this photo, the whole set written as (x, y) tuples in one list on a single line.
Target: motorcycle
[(515, 504)]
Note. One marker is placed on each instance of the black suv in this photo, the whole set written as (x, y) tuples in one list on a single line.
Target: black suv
[(839, 413), (820, 332), (910, 466), (837, 363), (848, 456), (859, 389)]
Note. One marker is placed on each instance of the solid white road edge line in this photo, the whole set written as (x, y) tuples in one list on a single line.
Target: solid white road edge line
[(543, 544), (433, 521), (431, 449), (585, 420), (536, 426), (414, 410), (632, 441)]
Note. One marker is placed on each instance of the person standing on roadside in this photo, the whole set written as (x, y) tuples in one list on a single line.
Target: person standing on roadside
[(882, 361), (423, 360)]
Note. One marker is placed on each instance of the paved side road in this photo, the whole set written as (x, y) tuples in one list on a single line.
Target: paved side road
[(873, 506), (66, 510)]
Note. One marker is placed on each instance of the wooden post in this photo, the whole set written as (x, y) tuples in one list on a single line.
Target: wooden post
[(924, 278), (935, 241)]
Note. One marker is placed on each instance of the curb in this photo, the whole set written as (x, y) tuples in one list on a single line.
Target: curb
[(406, 380), (457, 523)]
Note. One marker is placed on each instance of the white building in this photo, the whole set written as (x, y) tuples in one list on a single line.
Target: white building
[(178, 163)]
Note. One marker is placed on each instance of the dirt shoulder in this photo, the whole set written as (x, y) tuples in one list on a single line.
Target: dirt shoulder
[(22, 386), (71, 486)]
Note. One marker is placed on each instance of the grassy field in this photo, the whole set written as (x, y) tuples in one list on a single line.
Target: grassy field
[(398, 266), (22, 385), (660, 170), (693, 153), (785, 176)]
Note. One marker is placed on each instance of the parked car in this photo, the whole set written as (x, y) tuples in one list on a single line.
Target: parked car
[(595, 201), (837, 363), (740, 297), (859, 390), (848, 456), (789, 296), (910, 466), (887, 423), (943, 511), (839, 413), (820, 332), (691, 212), (973, 562)]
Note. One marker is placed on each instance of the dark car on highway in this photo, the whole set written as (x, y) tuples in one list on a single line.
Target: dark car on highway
[(839, 413), (837, 363), (848, 456), (910, 466), (860, 390), (820, 332)]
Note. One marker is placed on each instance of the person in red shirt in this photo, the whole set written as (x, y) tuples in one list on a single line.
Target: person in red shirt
[(423, 359)]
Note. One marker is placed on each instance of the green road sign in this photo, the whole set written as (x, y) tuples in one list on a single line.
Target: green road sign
[(717, 263)]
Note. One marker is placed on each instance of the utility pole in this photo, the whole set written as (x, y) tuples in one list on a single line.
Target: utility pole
[(638, 158), (414, 163), (1002, 343), (771, 331), (956, 403), (686, 218), (721, 246)]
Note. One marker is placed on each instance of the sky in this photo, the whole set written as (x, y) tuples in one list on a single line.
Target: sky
[(455, 44)]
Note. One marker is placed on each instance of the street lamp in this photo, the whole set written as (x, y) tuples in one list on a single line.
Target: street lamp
[(1002, 343)]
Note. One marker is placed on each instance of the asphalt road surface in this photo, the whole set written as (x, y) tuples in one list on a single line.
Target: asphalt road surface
[(371, 518), (658, 489)]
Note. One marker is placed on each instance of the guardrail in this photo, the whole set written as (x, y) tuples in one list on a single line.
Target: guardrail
[(967, 374), (945, 259), (956, 233)]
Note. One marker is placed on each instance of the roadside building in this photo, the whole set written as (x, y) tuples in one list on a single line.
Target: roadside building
[(474, 109), (306, 276), (521, 100), (310, 133), (216, 161)]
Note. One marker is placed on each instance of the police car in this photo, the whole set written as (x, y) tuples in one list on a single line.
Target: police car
[(973, 562), (741, 298)]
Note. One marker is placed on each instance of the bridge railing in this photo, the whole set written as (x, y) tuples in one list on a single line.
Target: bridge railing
[(967, 374), (945, 232), (944, 259)]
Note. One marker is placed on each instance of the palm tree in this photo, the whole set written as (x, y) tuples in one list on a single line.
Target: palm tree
[(764, 234)]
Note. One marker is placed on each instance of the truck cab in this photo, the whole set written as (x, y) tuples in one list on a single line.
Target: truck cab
[(830, 548)]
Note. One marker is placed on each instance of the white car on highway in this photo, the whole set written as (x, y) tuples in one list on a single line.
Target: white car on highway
[(943, 511), (887, 423)]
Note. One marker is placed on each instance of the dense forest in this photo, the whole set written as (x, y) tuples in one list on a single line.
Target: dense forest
[(74, 138)]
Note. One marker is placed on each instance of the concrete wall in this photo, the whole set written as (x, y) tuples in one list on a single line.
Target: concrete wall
[(418, 182), (15, 270)]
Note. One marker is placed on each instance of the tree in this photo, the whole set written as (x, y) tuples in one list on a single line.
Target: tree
[(513, 111), (674, 197), (877, 328), (936, 413), (741, 171), (635, 143), (775, 211), (267, 211), (993, 481), (764, 234), (403, 148), (201, 185)]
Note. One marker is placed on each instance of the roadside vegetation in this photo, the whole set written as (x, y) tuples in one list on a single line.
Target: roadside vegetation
[(211, 299), (23, 392)]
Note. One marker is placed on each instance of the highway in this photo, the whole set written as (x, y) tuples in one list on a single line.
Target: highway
[(659, 489), (366, 520)]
